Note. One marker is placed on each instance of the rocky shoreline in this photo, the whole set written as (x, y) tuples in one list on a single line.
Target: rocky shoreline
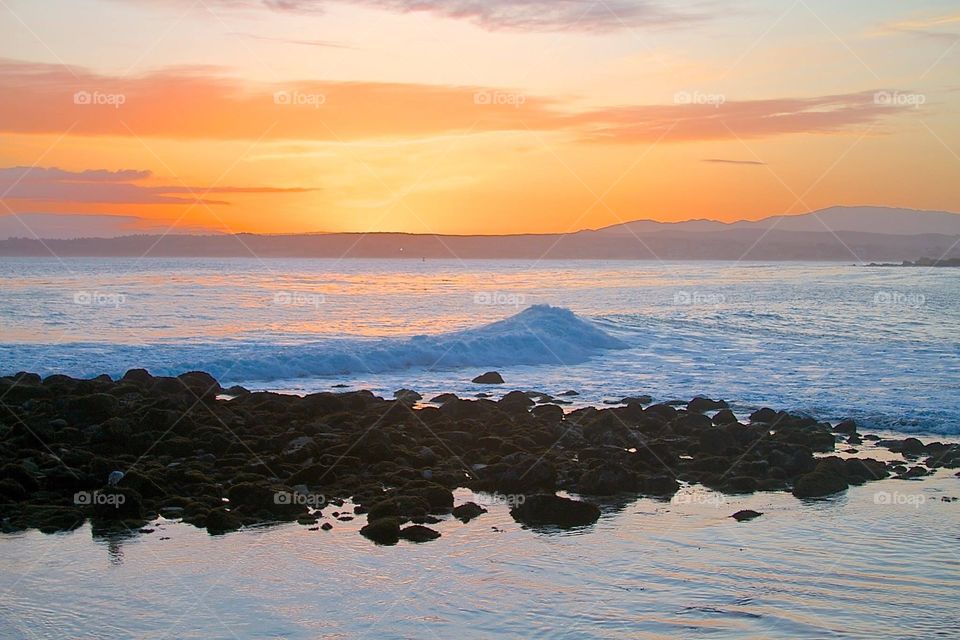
[(123, 452)]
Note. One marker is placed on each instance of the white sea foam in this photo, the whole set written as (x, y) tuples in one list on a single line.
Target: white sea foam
[(539, 335)]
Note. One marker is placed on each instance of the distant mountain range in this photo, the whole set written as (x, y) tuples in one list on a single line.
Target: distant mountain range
[(882, 220), (853, 234)]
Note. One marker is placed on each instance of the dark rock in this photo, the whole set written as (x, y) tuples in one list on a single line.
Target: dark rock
[(115, 503), (26, 378), (94, 408), (21, 475), (746, 514), (200, 384), (548, 412), (300, 449), (427, 456), (138, 377), (914, 472), (220, 521), (400, 506), (701, 404), (716, 442), (315, 474), (608, 480), (911, 446), (382, 531), (419, 533), (490, 377), (12, 491), (467, 511), (54, 519), (516, 400), (822, 481), (426, 520), (259, 498), (724, 416), (847, 427), (864, 469), (765, 415), (543, 509), (236, 391), (660, 486), (438, 497), (407, 396), (662, 411), (520, 473)]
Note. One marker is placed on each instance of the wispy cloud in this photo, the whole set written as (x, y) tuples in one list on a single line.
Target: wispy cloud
[(945, 27), (726, 161), (520, 15), (52, 184), (195, 103), (296, 41), (53, 226), (738, 119)]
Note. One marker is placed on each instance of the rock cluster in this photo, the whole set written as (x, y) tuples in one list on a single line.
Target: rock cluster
[(188, 451)]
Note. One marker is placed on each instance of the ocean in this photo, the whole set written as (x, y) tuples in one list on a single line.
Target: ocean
[(832, 340), (881, 345)]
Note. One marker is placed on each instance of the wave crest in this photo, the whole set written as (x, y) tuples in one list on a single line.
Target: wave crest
[(538, 335)]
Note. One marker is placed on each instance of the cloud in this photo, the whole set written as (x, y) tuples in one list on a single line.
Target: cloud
[(546, 15), (308, 43), (738, 120), (198, 103), (52, 184), (513, 15), (65, 226), (725, 161), (932, 28)]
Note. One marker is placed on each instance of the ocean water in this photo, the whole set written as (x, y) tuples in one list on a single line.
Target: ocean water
[(839, 568), (832, 340), (877, 561)]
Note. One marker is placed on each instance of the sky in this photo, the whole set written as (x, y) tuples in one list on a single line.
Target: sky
[(469, 116)]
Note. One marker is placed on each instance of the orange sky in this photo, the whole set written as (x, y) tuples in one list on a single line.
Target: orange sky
[(429, 116)]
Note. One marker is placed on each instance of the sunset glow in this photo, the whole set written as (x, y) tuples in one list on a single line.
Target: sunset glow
[(249, 116)]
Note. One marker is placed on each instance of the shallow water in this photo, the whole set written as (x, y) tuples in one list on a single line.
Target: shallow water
[(843, 567), (833, 340)]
